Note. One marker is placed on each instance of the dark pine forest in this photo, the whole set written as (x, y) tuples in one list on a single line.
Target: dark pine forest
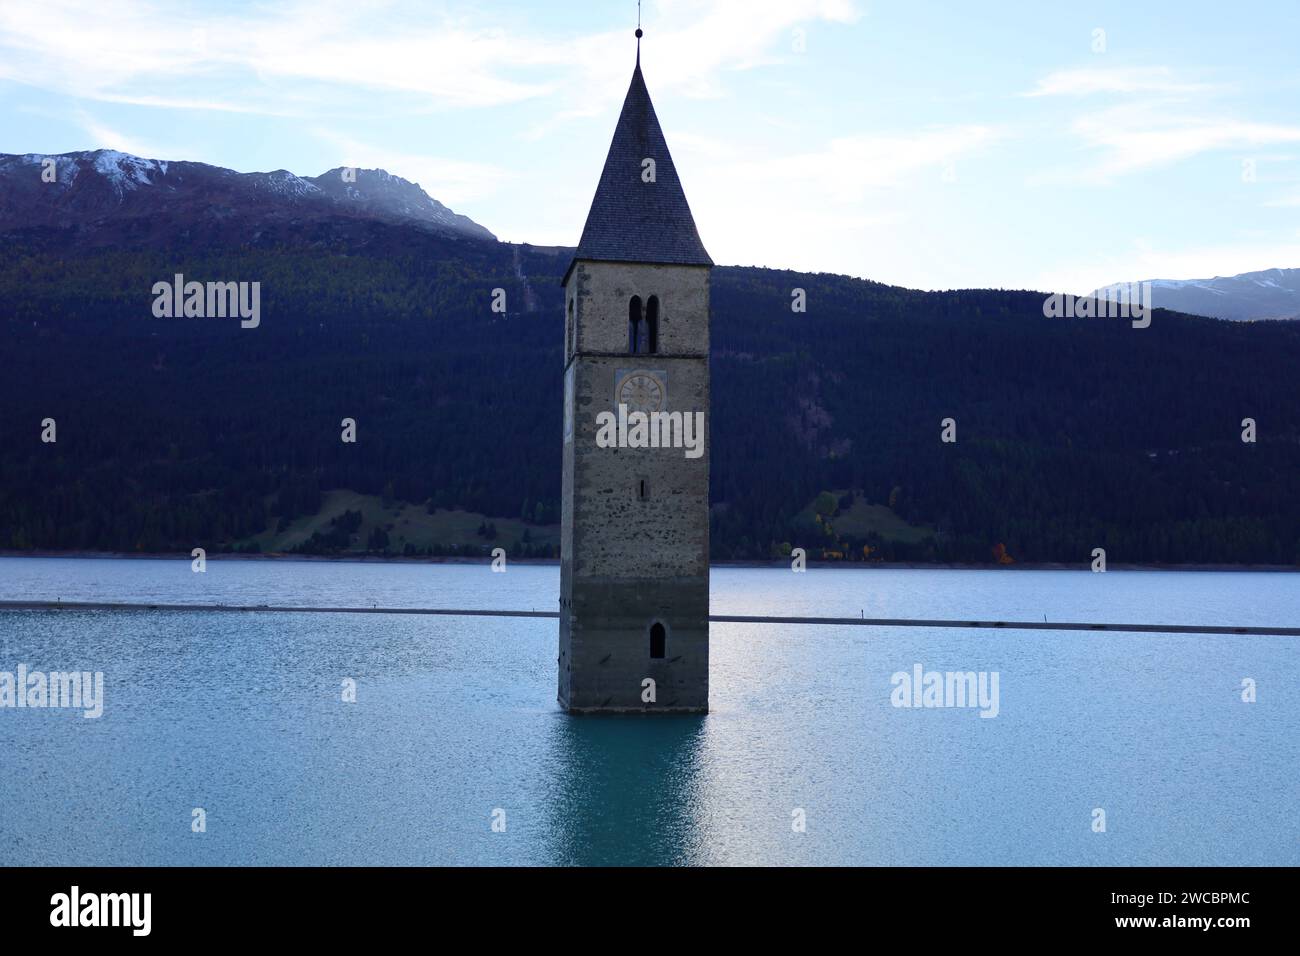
[(1072, 433)]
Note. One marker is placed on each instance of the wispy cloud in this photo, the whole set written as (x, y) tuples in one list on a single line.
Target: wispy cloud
[(1155, 122), (332, 50), (1146, 135), (694, 48), (848, 167), (822, 207), (1150, 134), (1123, 80)]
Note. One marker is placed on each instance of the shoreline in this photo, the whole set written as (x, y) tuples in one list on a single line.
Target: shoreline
[(777, 563)]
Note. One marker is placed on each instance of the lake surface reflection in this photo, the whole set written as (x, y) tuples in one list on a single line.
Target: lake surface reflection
[(241, 715)]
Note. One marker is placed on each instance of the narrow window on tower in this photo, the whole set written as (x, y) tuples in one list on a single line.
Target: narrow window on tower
[(658, 640), (642, 492), (634, 324), (652, 324)]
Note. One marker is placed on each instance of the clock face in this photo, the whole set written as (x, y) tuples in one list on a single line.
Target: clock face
[(641, 392)]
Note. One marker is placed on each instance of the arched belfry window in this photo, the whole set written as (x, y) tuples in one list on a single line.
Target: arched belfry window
[(634, 329), (658, 640), (652, 324)]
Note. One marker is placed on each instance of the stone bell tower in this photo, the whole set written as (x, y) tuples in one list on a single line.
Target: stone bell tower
[(634, 569)]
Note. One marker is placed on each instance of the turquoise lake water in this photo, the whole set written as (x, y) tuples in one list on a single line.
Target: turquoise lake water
[(455, 724)]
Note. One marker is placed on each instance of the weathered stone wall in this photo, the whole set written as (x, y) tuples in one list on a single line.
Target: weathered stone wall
[(602, 290), (628, 561), (605, 648)]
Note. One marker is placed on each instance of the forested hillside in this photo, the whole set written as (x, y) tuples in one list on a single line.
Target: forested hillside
[(1071, 433)]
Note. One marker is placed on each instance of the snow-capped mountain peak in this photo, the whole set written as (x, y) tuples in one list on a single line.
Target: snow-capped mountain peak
[(383, 193), (125, 170), (91, 189), (1267, 294)]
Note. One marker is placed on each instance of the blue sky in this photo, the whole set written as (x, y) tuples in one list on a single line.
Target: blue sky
[(1055, 146)]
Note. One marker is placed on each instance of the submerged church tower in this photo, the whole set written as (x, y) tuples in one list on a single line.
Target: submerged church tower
[(634, 571)]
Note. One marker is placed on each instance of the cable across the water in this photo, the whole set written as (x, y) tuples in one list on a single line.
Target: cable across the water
[(713, 618)]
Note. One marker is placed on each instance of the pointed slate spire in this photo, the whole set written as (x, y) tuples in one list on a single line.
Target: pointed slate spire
[(632, 220)]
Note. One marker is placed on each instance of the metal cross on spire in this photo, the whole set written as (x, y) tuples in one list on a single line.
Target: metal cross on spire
[(638, 32)]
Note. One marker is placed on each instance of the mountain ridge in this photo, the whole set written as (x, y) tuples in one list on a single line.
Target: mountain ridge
[(1247, 296), (105, 194), (1074, 433), (103, 197)]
